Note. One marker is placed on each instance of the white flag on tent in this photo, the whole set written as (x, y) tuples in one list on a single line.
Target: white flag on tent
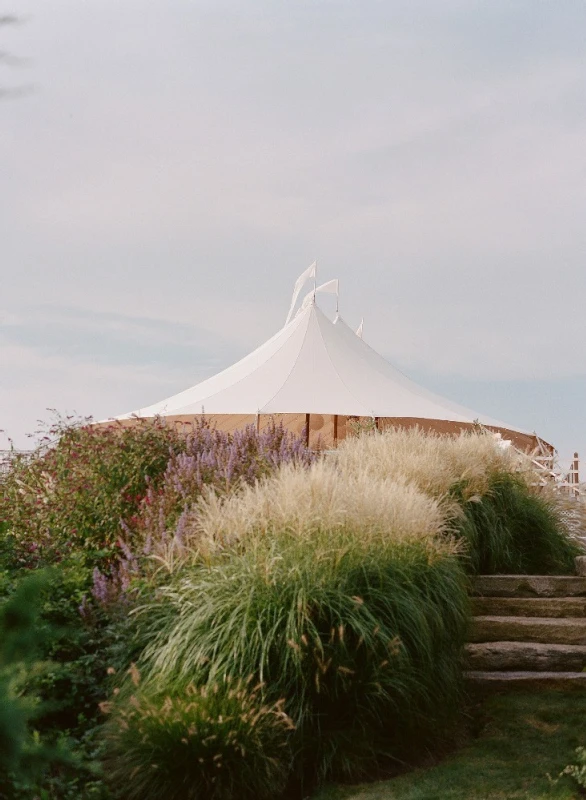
[(360, 328), (329, 286), (332, 287), (305, 276)]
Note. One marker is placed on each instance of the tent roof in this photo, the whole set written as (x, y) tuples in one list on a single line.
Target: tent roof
[(315, 366)]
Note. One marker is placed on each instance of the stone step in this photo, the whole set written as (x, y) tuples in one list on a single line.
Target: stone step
[(529, 656), (529, 586), (529, 606), (527, 680), (528, 629)]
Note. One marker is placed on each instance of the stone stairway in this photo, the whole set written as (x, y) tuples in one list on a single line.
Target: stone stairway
[(528, 631)]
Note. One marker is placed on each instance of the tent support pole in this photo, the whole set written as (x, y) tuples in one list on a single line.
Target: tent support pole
[(307, 430), (335, 429), (258, 423)]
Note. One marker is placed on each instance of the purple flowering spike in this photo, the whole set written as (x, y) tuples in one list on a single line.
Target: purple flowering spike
[(219, 460)]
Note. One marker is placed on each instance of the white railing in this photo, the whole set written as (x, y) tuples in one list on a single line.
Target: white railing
[(551, 473), (566, 484), (8, 456)]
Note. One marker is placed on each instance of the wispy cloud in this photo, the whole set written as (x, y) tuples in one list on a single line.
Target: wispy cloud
[(107, 338), (32, 383)]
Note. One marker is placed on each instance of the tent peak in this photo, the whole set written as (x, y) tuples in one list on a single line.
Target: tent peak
[(313, 366)]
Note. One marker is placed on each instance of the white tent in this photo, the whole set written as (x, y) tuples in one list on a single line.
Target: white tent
[(318, 367)]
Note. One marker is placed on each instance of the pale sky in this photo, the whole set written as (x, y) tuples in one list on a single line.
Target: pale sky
[(173, 166)]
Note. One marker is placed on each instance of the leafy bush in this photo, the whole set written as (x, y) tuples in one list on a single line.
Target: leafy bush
[(363, 640), (218, 742), (69, 504), (73, 494), (87, 641), (87, 486)]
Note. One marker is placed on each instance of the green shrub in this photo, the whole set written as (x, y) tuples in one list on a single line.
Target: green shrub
[(24, 755), (54, 665), (363, 640), (68, 504), (513, 529), (82, 649), (218, 742)]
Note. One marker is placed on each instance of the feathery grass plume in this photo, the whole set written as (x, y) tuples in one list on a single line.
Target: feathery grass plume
[(361, 635), (216, 742), (323, 498), (507, 524), (434, 462)]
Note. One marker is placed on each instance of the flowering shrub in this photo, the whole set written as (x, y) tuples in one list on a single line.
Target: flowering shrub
[(218, 460), (207, 458), (73, 494)]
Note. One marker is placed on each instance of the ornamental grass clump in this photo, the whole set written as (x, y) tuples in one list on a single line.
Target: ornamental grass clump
[(349, 605), (514, 529), (433, 462), (217, 742), (488, 492), (322, 499)]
